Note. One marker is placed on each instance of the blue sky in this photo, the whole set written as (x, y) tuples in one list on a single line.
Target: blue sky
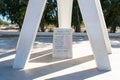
[(4, 19)]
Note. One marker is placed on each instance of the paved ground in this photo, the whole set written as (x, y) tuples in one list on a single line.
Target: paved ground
[(42, 66)]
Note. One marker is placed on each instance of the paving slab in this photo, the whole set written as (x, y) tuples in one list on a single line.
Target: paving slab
[(42, 66)]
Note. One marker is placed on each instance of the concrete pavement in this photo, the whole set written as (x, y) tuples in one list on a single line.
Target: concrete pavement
[(42, 66)]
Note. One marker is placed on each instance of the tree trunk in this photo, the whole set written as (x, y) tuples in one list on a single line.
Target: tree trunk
[(20, 26), (41, 26), (113, 29), (78, 28)]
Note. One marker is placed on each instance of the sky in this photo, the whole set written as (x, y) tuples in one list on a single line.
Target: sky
[(4, 19)]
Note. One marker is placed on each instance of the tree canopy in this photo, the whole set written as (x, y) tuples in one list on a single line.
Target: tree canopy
[(111, 10), (76, 16), (14, 10)]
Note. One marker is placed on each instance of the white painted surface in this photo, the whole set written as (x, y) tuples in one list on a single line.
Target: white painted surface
[(62, 43), (29, 30), (92, 16), (102, 21), (64, 18), (82, 68), (64, 13)]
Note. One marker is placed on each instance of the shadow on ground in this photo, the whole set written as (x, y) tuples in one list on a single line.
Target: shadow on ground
[(80, 75), (53, 65), (46, 66)]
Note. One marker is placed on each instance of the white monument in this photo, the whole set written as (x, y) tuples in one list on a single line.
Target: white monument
[(94, 21), (64, 31)]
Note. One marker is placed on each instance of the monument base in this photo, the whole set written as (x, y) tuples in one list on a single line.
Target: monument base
[(62, 43)]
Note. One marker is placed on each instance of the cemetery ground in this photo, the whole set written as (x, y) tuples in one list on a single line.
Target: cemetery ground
[(41, 65)]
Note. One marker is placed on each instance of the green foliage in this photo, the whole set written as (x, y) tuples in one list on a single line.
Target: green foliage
[(50, 13), (76, 16), (14, 10), (111, 9)]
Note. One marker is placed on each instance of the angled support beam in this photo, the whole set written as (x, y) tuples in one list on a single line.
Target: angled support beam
[(106, 35), (28, 33), (96, 29)]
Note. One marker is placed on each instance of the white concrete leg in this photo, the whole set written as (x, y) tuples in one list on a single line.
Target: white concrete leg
[(107, 41), (28, 33), (64, 13), (63, 48), (94, 21)]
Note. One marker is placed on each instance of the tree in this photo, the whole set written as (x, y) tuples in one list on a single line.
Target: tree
[(111, 9), (14, 10), (50, 15), (76, 16)]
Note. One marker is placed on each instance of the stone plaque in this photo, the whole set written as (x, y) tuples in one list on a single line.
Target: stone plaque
[(62, 43)]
